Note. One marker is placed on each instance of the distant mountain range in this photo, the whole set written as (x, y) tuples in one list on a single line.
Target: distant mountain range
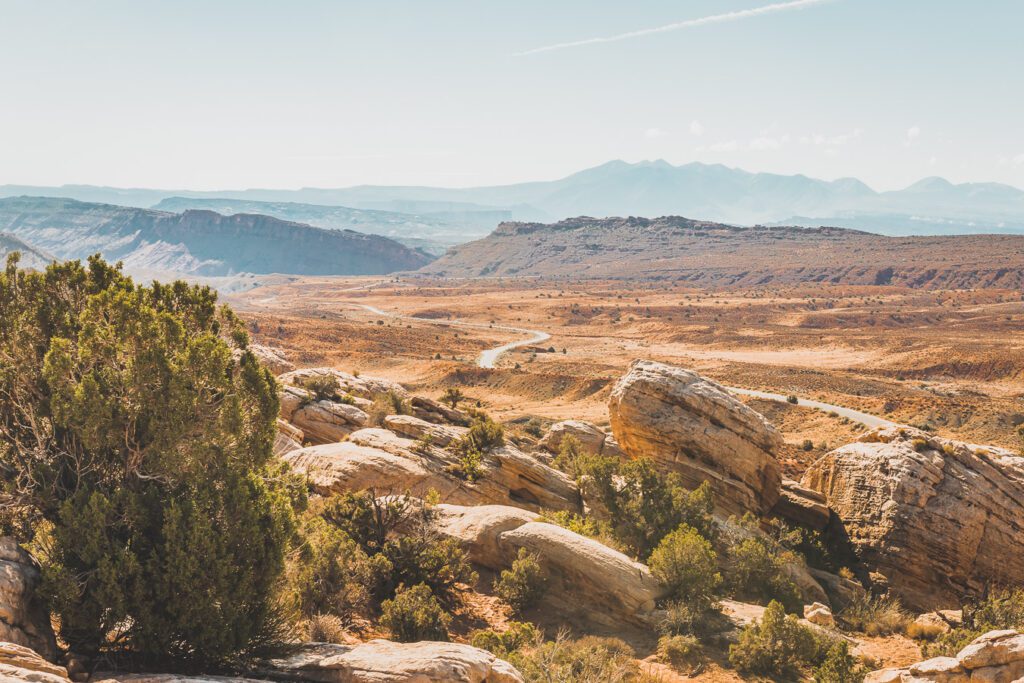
[(31, 257), (710, 254), (617, 188), (202, 243)]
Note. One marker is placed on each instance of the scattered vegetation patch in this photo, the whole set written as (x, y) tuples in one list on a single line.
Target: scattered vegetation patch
[(414, 614), (1001, 609), (875, 616), (524, 584)]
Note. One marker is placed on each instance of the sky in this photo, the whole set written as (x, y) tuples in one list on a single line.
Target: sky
[(230, 94)]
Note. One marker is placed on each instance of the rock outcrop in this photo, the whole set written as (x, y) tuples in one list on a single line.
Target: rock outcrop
[(273, 359), (591, 438), (693, 426), (939, 519), (289, 438), (586, 578), (380, 459), (20, 663), (23, 621), (996, 657), (802, 506), (383, 661)]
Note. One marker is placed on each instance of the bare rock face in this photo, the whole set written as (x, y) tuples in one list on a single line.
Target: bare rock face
[(591, 438), (328, 421), (274, 359), (383, 661), (586, 578), (382, 460), (802, 506), (937, 518), (433, 411), (22, 620), (367, 388), (693, 426), (20, 663), (289, 438), (996, 657)]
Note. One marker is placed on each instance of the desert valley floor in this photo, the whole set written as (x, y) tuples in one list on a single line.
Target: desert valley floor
[(951, 361)]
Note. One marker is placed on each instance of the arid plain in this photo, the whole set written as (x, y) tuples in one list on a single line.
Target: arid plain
[(948, 361)]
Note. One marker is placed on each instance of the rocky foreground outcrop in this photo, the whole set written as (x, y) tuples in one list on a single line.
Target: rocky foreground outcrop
[(379, 459), (996, 657), (586, 578), (692, 425), (592, 440), (939, 519), (20, 663), (383, 661), (22, 620)]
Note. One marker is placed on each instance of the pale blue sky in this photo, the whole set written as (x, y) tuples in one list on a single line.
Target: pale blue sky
[(216, 94)]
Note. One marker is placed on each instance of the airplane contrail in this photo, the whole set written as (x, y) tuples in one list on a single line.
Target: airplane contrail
[(701, 21)]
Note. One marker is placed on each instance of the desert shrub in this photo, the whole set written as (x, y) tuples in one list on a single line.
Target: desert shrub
[(139, 427), (792, 399), (388, 403), (325, 628), (839, 666), (524, 583), (875, 616), (483, 436), (757, 568), (414, 614), (517, 636), (570, 456), (329, 574), (347, 399), (687, 564), (534, 428), (588, 660), (777, 646), (921, 631), (682, 653), (583, 525), (642, 505), (453, 396), (323, 387), (396, 535), (807, 445), (1001, 609)]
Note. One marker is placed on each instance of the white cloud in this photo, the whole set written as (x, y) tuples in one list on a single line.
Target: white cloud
[(913, 133), (696, 129), (1018, 160), (653, 133), (728, 146), (701, 21)]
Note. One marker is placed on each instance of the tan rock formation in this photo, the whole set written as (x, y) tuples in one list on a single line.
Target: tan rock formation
[(383, 661), (23, 621), (591, 438), (274, 359), (380, 459), (937, 518), (289, 438), (996, 657), (802, 506), (20, 663), (693, 426)]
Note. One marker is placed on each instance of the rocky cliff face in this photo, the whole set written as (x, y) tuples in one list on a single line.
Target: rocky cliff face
[(199, 242), (693, 426), (939, 519), (22, 620), (712, 254)]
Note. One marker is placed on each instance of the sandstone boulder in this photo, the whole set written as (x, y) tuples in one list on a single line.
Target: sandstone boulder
[(996, 657), (383, 661), (289, 438), (380, 459), (433, 411), (367, 388), (936, 519), (20, 663), (819, 615), (591, 438), (274, 359), (802, 506), (23, 620), (416, 428), (587, 577), (693, 426)]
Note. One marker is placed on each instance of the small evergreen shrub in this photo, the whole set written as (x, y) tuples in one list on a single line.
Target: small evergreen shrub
[(777, 646), (839, 666), (517, 636), (414, 614), (524, 584), (682, 653), (687, 564)]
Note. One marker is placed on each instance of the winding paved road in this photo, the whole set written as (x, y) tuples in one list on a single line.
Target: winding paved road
[(489, 358)]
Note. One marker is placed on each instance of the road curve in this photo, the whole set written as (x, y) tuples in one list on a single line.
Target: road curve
[(489, 358)]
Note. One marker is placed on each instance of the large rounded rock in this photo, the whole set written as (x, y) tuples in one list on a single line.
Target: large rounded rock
[(693, 426), (996, 657), (939, 519), (383, 661), (19, 663), (23, 620)]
